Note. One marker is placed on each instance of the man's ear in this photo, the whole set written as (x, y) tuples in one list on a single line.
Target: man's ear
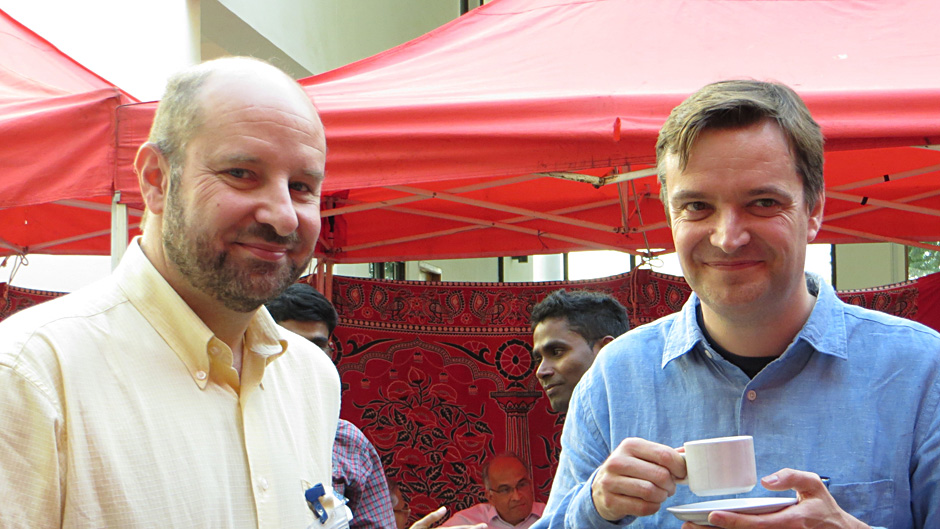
[(814, 223), (153, 175), (598, 345)]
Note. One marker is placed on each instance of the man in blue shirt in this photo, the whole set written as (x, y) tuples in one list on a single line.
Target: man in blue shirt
[(761, 348)]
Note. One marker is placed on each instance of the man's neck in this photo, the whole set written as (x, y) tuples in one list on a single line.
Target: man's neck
[(227, 325), (755, 334)]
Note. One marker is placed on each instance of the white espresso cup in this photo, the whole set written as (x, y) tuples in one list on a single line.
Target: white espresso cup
[(723, 465)]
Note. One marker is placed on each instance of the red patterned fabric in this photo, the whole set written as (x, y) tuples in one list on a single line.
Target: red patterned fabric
[(13, 299), (440, 375)]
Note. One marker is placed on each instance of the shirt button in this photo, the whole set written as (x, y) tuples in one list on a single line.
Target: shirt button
[(263, 483), (708, 353), (751, 395), (201, 375)]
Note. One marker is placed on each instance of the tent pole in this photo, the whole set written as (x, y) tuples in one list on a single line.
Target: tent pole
[(118, 229), (328, 281), (321, 273)]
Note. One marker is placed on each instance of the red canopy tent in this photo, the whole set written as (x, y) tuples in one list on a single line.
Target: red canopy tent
[(58, 122), (527, 126), (476, 139)]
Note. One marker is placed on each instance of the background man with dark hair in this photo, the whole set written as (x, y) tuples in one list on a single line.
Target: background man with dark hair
[(305, 311), (568, 330), (761, 348)]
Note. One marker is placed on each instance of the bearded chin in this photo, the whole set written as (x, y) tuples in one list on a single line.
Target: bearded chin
[(239, 287), (245, 288)]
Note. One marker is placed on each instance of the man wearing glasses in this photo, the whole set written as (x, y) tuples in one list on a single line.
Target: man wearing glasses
[(509, 494)]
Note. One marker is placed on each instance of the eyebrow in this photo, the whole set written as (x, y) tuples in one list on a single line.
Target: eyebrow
[(241, 158), (692, 194), (550, 344), (316, 175)]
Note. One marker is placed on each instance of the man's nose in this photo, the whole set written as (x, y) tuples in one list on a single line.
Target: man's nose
[(730, 231), (544, 370), (276, 208)]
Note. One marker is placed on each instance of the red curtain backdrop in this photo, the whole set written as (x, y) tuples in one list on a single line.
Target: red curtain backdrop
[(440, 375)]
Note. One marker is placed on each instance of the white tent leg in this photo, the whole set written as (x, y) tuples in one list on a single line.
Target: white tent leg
[(118, 229)]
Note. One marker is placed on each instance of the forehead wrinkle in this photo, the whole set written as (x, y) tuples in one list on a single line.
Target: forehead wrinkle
[(769, 189), (291, 115)]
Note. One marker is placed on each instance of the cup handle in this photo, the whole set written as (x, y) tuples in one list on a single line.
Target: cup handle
[(685, 480)]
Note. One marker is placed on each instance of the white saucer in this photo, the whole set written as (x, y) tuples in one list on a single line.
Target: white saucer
[(698, 512)]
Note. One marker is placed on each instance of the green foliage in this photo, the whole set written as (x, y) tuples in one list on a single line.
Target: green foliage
[(921, 262)]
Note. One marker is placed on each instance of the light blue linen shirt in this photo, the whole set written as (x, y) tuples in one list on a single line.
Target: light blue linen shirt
[(854, 397)]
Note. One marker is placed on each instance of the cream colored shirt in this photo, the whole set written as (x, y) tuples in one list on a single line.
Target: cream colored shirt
[(119, 408)]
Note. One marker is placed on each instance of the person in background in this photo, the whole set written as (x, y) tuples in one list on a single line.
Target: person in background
[(358, 474), (508, 489), (305, 311), (162, 395), (568, 330), (399, 505), (761, 348)]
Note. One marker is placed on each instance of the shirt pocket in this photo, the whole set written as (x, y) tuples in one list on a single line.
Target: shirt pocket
[(871, 502)]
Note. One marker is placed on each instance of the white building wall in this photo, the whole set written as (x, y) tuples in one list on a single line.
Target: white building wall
[(869, 265), (110, 38), (324, 34)]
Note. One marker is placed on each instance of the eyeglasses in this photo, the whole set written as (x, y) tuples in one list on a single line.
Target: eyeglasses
[(404, 510), (506, 490)]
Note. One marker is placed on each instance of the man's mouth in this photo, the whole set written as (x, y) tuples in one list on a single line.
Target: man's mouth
[(265, 251), (738, 264)]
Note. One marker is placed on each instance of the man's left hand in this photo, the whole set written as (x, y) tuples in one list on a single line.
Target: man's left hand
[(815, 507)]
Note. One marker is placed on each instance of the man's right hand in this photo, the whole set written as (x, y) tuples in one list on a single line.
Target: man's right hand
[(636, 479)]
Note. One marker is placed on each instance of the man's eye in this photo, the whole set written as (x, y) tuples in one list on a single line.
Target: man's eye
[(238, 173), (301, 187), (694, 210), (765, 203)]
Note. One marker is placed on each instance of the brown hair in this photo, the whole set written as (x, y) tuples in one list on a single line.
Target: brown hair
[(740, 103)]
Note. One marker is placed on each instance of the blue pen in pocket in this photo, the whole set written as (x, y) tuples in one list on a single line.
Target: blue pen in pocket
[(328, 507)]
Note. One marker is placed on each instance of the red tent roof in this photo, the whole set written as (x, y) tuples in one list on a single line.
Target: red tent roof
[(540, 89), (527, 126), (57, 128)]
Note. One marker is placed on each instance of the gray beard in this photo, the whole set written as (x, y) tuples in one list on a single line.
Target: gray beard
[(241, 288)]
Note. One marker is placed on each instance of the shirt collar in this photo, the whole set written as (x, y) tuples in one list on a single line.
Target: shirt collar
[(182, 329), (493, 515), (824, 330)]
